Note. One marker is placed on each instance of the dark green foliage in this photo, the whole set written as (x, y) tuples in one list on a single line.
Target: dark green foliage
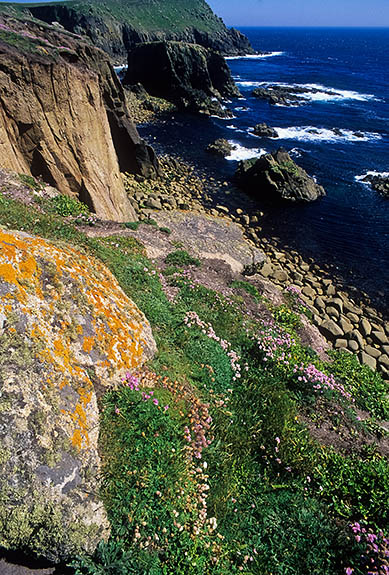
[(31, 182), (68, 206), (112, 559), (132, 225), (286, 317), (181, 259), (248, 287), (366, 386)]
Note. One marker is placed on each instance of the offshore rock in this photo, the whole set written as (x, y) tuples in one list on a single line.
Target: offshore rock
[(192, 77), (220, 147), (379, 183), (67, 333), (265, 131), (276, 176), (64, 118)]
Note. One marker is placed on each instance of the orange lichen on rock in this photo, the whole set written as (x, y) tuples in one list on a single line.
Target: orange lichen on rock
[(75, 318)]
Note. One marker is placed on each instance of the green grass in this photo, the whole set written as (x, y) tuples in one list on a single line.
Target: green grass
[(282, 501), (158, 15)]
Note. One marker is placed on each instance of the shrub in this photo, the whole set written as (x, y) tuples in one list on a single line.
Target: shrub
[(68, 206), (181, 259)]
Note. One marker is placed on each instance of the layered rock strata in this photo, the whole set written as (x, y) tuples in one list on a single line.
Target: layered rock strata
[(63, 118)]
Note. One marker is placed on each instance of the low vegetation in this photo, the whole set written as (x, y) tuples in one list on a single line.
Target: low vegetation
[(238, 450)]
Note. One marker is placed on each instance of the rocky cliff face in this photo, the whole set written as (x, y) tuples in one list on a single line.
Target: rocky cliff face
[(189, 75), (67, 332), (63, 117), (117, 26)]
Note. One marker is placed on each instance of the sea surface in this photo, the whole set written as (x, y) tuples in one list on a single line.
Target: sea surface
[(350, 226)]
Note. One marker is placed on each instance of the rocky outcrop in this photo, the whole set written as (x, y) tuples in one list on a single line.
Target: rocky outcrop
[(379, 183), (220, 147), (63, 118), (276, 176), (265, 131), (287, 95), (67, 333), (188, 75), (117, 26)]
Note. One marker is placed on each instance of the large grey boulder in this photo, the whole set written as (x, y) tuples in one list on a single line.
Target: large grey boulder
[(275, 177), (67, 332)]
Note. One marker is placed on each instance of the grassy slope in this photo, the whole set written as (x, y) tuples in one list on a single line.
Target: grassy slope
[(152, 15), (282, 502)]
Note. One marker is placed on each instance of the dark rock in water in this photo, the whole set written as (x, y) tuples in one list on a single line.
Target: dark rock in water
[(192, 77), (359, 134), (265, 131), (276, 176), (379, 183), (337, 132), (286, 95), (221, 147)]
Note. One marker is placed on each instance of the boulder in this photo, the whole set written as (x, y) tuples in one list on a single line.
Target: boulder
[(330, 330), (276, 176), (265, 131), (192, 77), (221, 147), (68, 332), (379, 182)]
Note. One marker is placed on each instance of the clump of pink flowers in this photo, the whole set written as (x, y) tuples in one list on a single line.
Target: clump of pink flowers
[(274, 342), (376, 559), (321, 381), (191, 319), (133, 383)]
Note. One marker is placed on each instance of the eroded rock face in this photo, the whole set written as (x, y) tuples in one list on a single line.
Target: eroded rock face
[(188, 75), (67, 333), (119, 25), (63, 117), (275, 177)]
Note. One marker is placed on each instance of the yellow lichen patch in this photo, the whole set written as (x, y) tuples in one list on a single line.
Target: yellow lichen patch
[(80, 437), (8, 273), (88, 303), (88, 344)]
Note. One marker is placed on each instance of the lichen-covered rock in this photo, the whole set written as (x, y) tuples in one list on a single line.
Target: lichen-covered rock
[(277, 177), (67, 331)]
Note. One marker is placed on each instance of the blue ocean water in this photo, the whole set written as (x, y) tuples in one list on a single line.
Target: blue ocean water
[(350, 226)]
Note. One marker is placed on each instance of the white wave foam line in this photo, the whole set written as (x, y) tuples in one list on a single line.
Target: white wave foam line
[(371, 173), (311, 134), (242, 153), (323, 94), (255, 56)]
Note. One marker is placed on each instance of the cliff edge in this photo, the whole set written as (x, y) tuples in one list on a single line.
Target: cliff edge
[(63, 117), (118, 25)]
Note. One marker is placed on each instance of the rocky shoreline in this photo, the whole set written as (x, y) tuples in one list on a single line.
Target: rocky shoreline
[(346, 317)]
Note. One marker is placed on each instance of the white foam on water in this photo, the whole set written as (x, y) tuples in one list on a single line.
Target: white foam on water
[(255, 56), (371, 173), (223, 117), (312, 134), (323, 93), (242, 153)]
